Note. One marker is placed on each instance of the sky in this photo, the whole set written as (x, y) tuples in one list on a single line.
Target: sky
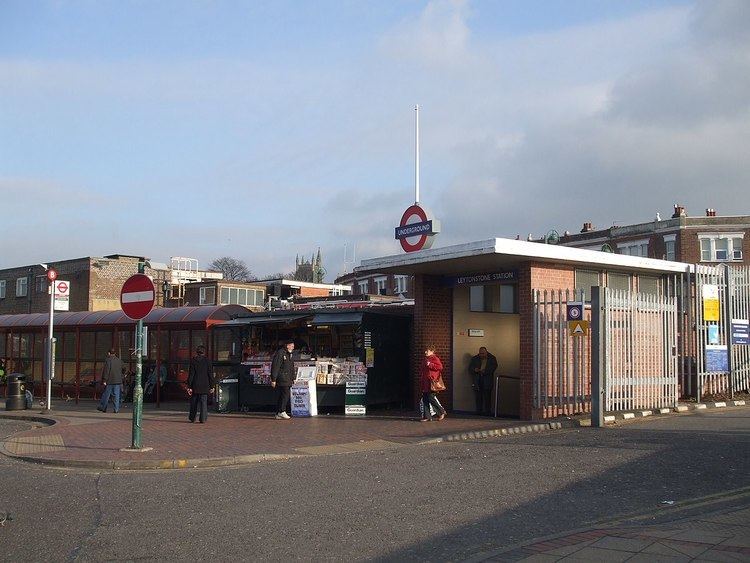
[(263, 130)]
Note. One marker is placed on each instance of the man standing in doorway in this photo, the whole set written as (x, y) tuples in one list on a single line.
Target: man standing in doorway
[(200, 383), (112, 381), (282, 377), (482, 371)]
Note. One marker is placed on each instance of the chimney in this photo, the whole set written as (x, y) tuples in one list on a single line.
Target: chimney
[(710, 212), (679, 211), (587, 227)]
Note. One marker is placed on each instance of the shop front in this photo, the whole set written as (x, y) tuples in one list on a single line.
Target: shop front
[(371, 346), (481, 294)]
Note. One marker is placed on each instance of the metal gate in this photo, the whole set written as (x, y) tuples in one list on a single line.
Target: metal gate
[(562, 364), (722, 308), (640, 360)]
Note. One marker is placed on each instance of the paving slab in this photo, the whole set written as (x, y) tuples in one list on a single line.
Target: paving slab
[(72, 435)]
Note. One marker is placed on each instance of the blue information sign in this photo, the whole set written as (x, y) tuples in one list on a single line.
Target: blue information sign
[(717, 359), (740, 331)]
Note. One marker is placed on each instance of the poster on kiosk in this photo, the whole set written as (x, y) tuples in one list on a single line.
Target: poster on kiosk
[(304, 393)]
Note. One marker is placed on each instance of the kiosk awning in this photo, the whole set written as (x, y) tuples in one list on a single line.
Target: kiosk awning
[(285, 319), (337, 319)]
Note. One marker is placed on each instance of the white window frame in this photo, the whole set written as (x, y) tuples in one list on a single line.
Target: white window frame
[(2, 289), (364, 286), (253, 297), (22, 287), (41, 284), (628, 247), (202, 298), (670, 255), (733, 254), (381, 282), (401, 284)]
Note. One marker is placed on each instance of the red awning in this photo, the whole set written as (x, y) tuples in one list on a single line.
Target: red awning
[(207, 315)]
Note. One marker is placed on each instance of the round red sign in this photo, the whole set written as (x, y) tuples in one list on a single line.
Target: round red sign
[(417, 229), (137, 296), (62, 288), (51, 274)]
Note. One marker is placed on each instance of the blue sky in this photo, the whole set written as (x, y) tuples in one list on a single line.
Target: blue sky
[(263, 130)]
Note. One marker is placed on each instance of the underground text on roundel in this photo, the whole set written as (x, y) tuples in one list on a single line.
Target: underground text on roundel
[(423, 228)]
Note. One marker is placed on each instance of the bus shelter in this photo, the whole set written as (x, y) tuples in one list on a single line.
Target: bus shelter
[(84, 338)]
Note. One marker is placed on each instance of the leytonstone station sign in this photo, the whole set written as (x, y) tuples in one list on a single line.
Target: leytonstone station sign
[(417, 229)]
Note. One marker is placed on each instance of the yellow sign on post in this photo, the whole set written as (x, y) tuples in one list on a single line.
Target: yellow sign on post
[(578, 328), (711, 310)]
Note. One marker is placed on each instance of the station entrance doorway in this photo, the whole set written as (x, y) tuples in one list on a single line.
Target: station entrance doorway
[(487, 316)]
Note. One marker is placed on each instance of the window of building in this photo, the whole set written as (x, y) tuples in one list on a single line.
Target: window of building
[(401, 284), (241, 296), (721, 247), (22, 287), (381, 285), (585, 280), (41, 285), (208, 296), (493, 298), (669, 247), (634, 248), (649, 284), (2, 289), (618, 281), (363, 286)]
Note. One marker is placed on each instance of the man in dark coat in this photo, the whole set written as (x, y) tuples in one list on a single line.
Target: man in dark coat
[(283, 375), (482, 371), (112, 381), (200, 383)]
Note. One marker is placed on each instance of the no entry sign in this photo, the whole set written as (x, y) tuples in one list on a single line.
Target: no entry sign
[(417, 229), (137, 296)]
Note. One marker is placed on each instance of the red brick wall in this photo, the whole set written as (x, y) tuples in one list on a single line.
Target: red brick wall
[(531, 277), (313, 292), (433, 314), (688, 246)]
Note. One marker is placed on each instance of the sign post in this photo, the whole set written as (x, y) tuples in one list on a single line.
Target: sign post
[(51, 277), (137, 299)]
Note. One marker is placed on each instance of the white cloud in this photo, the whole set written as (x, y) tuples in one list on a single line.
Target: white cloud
[(608, 121)]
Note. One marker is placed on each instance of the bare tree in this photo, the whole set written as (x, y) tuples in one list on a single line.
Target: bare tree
[(231, 268)]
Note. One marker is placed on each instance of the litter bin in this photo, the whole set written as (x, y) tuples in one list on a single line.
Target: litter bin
[(15, 398), (227, 394)]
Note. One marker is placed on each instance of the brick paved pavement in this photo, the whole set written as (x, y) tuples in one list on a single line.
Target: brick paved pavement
[(706, 535), (81, 433)]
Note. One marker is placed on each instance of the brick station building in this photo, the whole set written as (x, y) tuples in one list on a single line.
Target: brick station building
[(480, 294), (95, 283)]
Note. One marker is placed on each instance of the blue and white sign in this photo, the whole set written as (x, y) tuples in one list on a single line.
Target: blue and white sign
[(574, 310), (740, 331), (717, 359)]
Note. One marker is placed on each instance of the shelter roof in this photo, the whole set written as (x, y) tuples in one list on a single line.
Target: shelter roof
[(207, 315)]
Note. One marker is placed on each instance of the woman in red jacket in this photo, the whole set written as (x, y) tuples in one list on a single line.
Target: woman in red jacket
[(431, 370)]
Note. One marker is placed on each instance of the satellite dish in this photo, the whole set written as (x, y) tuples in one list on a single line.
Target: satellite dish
[(553, 237)]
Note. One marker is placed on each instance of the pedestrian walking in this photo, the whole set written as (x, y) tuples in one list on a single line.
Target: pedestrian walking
[(283, 375), (482, 371), (431, 380), (200, 382), (112, 381)]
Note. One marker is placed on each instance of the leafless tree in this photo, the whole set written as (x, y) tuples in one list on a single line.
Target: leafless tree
[(231, 268)]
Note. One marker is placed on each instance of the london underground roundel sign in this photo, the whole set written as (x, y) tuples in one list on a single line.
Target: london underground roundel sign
[(137, 296), (417, 229)]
